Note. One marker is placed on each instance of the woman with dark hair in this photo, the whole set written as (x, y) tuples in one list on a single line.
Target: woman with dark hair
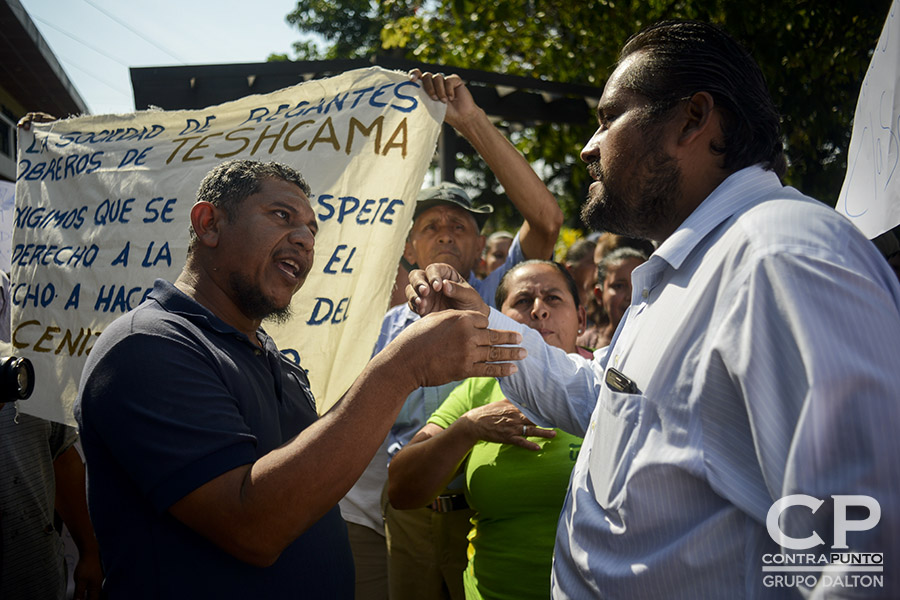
[(516, 474)]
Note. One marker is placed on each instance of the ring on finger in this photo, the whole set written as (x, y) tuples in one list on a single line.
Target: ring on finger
[(524, 430)]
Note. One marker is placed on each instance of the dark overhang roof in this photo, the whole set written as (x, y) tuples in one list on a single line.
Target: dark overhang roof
[(29, 71), (512, 98)]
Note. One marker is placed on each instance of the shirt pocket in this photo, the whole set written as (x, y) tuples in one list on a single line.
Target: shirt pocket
[(615, 443)]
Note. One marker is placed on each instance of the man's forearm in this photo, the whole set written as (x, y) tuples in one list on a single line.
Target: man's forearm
[(255, 511), (552, 388), (542, 215)]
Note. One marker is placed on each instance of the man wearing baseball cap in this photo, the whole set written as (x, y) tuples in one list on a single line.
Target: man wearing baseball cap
[(427, 546)]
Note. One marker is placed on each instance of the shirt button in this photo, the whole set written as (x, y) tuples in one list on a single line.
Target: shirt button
[(257, 352), (645, 294)]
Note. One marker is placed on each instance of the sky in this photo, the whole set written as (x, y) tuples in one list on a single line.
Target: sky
[(96, 41)]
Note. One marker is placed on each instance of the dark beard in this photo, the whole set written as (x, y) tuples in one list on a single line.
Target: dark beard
[(254, 304), (280, 316), (640, 208)]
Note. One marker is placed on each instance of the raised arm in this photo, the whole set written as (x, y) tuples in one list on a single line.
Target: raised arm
[(542, 215), (425, 466)]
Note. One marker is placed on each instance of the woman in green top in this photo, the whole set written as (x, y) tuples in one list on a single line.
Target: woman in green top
[(516, 473)]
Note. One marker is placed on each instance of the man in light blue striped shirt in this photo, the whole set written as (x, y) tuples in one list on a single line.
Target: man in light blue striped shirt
[(741, 430)]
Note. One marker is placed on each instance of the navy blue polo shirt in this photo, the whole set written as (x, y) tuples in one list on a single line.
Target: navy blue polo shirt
[(170, 398)]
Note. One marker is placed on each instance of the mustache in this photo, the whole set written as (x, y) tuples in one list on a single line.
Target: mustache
[(594, 169)]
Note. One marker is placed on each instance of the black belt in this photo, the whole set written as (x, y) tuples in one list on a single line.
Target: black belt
[(448, 503)]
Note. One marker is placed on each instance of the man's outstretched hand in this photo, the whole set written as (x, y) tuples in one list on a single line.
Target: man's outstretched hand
[(453, 345)]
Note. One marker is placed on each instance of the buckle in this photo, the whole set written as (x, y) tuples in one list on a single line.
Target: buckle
[(448, 503)]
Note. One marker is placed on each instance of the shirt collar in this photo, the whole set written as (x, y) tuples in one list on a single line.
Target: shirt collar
[(177, 302), (739, 190)]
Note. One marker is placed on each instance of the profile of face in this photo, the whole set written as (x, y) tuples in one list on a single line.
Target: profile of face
[(538, 296), (267, 249), (445, 233), (637, 183), (495, 253), (614, 292)]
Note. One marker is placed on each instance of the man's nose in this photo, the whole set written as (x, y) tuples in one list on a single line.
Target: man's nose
[(591, 150), (303, 237), (445, 234)]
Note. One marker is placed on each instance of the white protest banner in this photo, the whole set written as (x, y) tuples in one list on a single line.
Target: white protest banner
[(102, 209), (870, 196)]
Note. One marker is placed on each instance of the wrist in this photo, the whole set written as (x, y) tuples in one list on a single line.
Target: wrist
[(471, 124), (467, 428), (86, 546), (397, 367)]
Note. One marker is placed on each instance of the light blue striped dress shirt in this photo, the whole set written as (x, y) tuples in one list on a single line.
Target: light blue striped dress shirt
[(764, 340)]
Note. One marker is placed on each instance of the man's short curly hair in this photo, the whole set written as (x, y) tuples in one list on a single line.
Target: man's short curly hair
[(230, 183)]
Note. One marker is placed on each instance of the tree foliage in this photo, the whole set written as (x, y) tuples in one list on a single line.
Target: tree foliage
[(814, 56)]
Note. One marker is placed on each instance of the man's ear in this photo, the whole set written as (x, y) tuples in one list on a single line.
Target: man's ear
[(582, 318), (409, 253), (205, 219), (480, 242), (699, 119)]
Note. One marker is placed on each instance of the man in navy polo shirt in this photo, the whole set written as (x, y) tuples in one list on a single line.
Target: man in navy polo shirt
[(210, 475)]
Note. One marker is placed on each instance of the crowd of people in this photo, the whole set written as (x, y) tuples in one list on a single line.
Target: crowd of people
[(618, 424)]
